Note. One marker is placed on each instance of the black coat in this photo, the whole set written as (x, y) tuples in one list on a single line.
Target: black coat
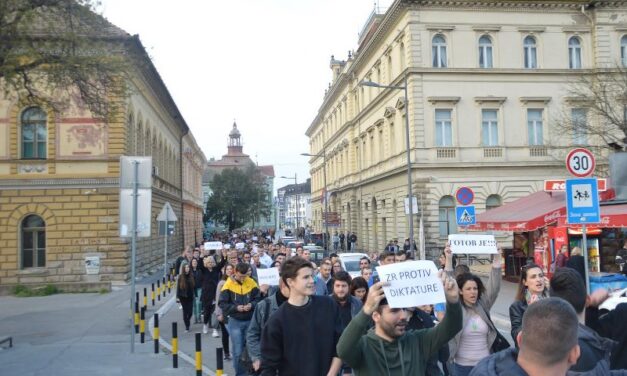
[(187, 292), (210, 279), (612, 325), (516, 312), (577, 262)]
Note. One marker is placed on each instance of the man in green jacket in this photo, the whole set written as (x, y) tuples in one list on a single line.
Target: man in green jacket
[(387, 349)]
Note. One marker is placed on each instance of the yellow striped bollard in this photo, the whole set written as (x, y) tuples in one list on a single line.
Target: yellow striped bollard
[(152, 294), (159, 290), (145, 297), (136, 316), (142, 325), (175, 346), (219, 362), (198, 356), (164, 287), (156, 333)]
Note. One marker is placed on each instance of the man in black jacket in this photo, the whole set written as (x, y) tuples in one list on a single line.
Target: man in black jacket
[(595, 350)]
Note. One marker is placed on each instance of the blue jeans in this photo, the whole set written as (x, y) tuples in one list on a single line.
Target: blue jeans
[(237, 331), (461, 370)]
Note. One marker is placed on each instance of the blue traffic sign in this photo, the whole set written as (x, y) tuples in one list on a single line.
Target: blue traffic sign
[(465, 196), (582, 201), (465, 215)]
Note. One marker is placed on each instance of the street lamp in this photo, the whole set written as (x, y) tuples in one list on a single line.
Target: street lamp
[(407, 144), (326, 201), (297, 199)]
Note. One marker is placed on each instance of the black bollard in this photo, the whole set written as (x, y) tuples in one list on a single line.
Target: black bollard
[(219, 362), (198, 356), (142, 325), (145, 297), (156, 333), (175, 346), (152, 294), (136, 316)]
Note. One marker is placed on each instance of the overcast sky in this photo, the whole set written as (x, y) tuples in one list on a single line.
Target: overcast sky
[(263, 63)]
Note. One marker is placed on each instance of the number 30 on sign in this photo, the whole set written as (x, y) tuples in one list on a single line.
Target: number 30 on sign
[(580, 162)]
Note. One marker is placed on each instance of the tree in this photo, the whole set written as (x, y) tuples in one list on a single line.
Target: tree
[(55, 50), (596, 114), (238, 197)]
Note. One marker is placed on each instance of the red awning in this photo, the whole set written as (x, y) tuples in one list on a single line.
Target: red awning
[(525, 214)]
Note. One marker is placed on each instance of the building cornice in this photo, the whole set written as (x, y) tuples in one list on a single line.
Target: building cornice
[(26, 184)]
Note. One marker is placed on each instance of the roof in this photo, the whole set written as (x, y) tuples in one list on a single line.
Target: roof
[(267, 170)]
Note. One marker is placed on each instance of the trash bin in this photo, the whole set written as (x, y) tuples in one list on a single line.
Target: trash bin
[(607, 281)]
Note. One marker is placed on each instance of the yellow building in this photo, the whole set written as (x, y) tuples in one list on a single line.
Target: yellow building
[(59, 184), (486, 81)]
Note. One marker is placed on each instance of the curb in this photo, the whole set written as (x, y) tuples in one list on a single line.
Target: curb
[(162, 311)]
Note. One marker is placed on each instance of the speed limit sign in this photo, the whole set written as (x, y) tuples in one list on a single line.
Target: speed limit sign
[(580, 162)]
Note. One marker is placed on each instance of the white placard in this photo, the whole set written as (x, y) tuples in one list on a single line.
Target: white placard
[(473, 244), (268, 276), (412, 283), (213, 245), (92, 265)]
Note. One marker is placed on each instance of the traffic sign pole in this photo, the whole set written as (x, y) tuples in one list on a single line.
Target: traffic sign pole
[(584, 245)]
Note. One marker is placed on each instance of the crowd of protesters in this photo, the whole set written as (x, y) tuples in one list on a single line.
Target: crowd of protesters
[(320, 321)]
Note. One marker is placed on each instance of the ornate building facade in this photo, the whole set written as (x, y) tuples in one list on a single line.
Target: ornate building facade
[(59, 184), (486, 82)]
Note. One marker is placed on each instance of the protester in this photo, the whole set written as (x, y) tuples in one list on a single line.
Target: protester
[(262, 313), (185, 291), (385, 258), (186, 255), (229, 269), (400, 256), (366, 273), (420, 318), (337, 267), (323, 281), (533, 286), (389, 349), (364, 262), (577, 262), (562, 257), (197, 274), (348, 304), (548, 344), (475, 341), (595, 350), (300, 338), (359, 289), (210, 279)]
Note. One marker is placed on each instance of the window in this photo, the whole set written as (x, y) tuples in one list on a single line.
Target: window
[(485, 52), (439, 51), (534, 126), (392, 140), (531, 57), (34, 133), (492, 202), (489, 127), (443, 128), (574, 53), (623, 50), (579, 123), (447, 220), (33, 242)]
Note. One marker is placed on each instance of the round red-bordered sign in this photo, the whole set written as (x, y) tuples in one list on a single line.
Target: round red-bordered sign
[(580, 162), (465, 196)]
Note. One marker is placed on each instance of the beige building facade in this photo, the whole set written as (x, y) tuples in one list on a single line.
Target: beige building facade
[(59, 185), (486, 83)]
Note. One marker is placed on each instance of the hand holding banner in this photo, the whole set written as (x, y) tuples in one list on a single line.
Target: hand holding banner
[(411, 284), (473, 244)]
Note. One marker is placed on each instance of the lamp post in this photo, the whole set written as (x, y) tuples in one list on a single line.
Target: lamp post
[(408, 146), (326, 201), (297, 199)]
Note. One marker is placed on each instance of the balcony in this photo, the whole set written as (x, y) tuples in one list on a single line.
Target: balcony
[(538, 151), (446, 153), (492, 152)]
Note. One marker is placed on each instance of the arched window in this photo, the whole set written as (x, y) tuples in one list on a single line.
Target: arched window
[(493, 201), (448, 222), (33, 242), (574, 53), (34, 133), (438, 50), (530, 51), (485, 52), (623, 50)]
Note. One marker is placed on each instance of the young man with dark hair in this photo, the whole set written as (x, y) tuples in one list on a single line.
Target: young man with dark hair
[(389, 349), (349, 305), (323, 281), (300, 338), (238, 299), (385, 258), (547, 340), (400, 256), (595, 350)]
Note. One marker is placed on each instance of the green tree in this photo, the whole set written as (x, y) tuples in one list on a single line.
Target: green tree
[(55, 50), (238, 197)]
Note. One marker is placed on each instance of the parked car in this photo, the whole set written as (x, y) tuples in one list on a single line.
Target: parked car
[(350, 263)]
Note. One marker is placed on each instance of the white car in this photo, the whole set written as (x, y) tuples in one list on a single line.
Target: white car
[(350, 263)]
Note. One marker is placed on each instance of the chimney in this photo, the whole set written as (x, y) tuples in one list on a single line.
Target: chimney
[(336, 66)]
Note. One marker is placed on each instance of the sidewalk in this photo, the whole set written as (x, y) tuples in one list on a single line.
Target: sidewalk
[(79, 334)]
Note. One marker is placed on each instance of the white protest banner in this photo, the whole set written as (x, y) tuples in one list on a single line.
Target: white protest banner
[(268, 276), (464, 243), (213, 245), (240, 245), (412, 284)]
